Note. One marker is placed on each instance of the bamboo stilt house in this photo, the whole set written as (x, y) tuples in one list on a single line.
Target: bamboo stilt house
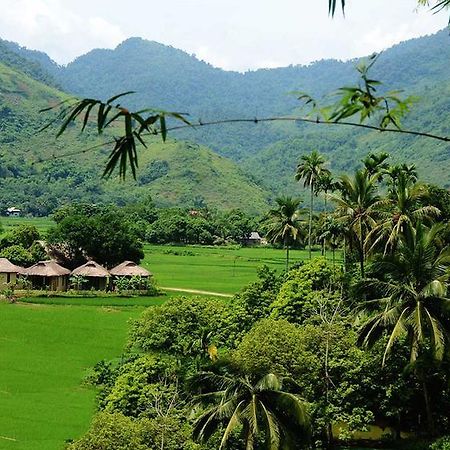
[(48, 275), (8, 272), (96, 275)]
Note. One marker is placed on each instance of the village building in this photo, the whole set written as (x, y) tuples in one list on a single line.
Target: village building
[(129, 269), (253, 239), (48, 275), (13, 212), (97, 277), (8, 272)]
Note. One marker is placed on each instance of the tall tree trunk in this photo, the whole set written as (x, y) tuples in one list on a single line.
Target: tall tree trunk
[(311, 206), (361, 252), (426, 397), (344, 256), (326, 217), (287, 257), (334, 256)]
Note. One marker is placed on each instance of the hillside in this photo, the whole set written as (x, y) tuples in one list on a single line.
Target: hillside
[(33, 177), (169, 78)]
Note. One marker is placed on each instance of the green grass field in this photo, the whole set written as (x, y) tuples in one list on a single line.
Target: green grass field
[(41, 223), (215, 269), (45, 352)]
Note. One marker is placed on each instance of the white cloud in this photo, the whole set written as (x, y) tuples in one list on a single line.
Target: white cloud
[(232, 34), (50, 26)]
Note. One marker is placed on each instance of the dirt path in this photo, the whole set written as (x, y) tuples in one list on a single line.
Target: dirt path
[(195, 291)]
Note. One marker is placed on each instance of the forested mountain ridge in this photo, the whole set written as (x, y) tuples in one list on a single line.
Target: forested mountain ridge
[(34, 176), (168, 78)]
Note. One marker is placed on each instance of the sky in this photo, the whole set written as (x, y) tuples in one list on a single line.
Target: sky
[(231, 34)]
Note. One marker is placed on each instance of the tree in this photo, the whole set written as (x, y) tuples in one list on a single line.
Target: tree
[(375, 163), (405, 205), (267, 413), (310, 171), (357, 207), (411, 298), (17, 255), (284, 223), (107, 236)]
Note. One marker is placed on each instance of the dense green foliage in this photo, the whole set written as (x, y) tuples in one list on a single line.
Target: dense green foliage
[(22, 246), (104, 234), (36, 178)]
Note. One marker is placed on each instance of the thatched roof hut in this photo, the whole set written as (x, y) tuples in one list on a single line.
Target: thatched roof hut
[(96, 275), (6, 266), (129, 269), (91, 269), (48, 274), (46, 269), (8, 271)]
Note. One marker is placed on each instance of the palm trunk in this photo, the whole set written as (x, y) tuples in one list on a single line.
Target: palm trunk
[(326, 217), (311, 206), (426, 398), (361, 253), (334, 256), (287, 257), (344, 255)]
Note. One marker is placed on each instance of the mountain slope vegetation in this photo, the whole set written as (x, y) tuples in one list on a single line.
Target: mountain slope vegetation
[(168, 78), (34, 175)]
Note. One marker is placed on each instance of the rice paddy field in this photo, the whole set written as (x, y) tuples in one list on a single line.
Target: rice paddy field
[(48, 344), (45, 351)]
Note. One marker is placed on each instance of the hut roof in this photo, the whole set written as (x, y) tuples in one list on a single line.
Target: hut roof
[(7, 266), (46, 269), (129, 269), (91, 269)]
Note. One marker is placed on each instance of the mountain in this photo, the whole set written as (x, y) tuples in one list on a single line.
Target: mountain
[(34, 176), (167, 78)]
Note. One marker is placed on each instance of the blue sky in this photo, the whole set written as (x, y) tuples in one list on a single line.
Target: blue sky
[(232, 34)]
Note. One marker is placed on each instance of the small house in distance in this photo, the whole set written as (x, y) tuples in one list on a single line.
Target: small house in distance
[(253, 239), (48, 275), (8, 271), (13, 212), (97, 276)]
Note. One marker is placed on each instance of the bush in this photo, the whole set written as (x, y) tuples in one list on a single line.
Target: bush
[(186, 327), (17, 255), (441, 444)]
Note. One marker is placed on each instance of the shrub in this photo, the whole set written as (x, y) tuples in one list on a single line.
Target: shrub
[(441, 444)]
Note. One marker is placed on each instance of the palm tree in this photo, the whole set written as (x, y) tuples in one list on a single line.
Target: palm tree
[(376, 164), (404, 207), (357, 208), (401, 170), (411, 298), (332, 234), (310, 170), (284, 223), (267, 414)]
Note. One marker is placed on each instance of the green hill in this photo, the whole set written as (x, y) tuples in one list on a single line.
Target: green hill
[(33, 176), (170, 78)]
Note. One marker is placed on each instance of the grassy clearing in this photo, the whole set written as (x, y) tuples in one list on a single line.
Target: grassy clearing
[(216, 269), (121, 302), (41, 223), (45, 351)]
